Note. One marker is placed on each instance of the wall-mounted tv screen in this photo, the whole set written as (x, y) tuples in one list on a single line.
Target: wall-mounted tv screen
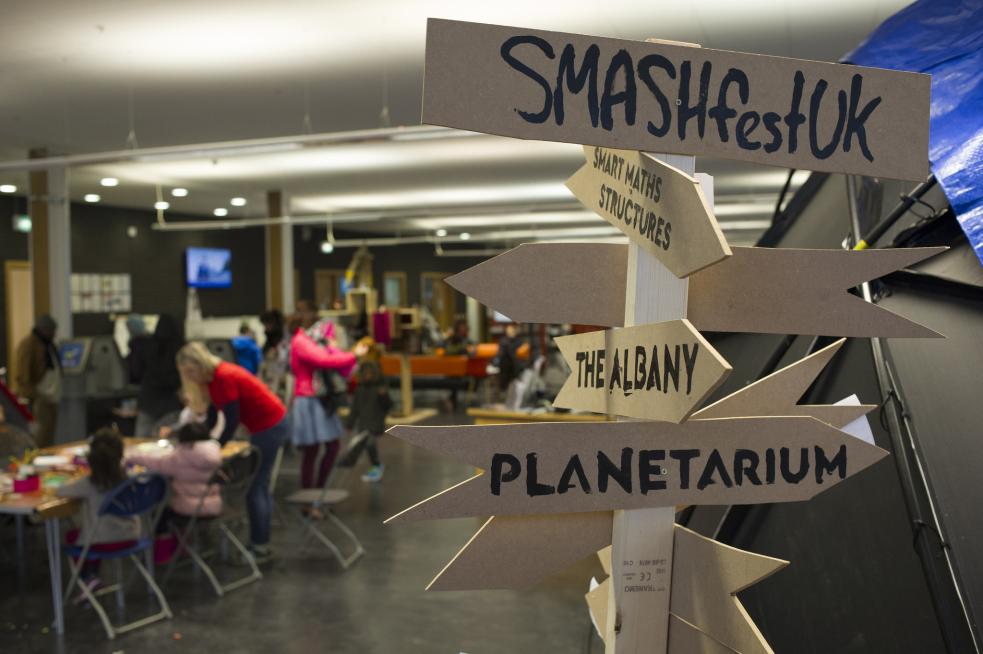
[(209, 267)]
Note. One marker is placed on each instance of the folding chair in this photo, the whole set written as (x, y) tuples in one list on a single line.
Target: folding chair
[(234, 478), (138, 496), (325, 499)]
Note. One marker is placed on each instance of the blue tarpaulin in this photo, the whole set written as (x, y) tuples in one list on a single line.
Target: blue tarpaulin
[(943, 38)]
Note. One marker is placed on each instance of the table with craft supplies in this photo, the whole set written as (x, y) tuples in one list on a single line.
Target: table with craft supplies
[(56, 466)]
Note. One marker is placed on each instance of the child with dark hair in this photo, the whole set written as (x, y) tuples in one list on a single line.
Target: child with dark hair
[(370, 404), (189, 465), (111, 533)]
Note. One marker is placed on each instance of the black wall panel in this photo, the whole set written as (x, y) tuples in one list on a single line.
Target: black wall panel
[(155, 259)]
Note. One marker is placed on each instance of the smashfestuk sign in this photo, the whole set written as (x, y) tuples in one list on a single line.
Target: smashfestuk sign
[(660, 97)]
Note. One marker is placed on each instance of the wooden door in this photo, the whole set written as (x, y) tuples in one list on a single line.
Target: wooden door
[(439, 297), (327, 288), (20, 307)]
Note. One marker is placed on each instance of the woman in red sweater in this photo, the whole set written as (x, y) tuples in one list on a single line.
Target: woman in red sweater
[(243, 398)]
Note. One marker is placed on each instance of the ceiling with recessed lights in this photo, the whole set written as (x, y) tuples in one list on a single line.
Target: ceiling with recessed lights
[(103, 75)]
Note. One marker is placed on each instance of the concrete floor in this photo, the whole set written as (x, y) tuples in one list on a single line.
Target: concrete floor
[(307, 604)]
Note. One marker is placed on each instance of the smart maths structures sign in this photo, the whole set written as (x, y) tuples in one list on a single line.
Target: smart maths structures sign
[(658, 97), (558, 491), (657, 206)]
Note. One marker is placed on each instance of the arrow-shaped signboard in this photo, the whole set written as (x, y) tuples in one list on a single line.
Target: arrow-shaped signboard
[(564, 468), (658, 97), (659, 371), (706, 615), (658, 206), (758, 290)]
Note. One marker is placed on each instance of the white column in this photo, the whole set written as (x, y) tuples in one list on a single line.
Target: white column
[(60, 250)]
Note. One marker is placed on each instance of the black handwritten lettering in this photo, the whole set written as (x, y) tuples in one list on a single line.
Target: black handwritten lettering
[(498, 476), (576, 80), (647, 468), (533, 487), (547, 49), (828, 466)]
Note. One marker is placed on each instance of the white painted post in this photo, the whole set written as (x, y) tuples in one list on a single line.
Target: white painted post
[(641, 556)]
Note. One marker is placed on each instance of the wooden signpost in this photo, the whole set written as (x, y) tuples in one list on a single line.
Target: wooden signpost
[(558, 492), (553, 542), (658, 371)]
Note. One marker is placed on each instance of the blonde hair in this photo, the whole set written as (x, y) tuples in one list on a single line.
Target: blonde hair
[(196, 354)]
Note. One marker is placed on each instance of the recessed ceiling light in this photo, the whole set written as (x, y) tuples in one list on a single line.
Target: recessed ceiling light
[(92, 197), (465, 236), (161, 205), (327, 247), (441, 233), (179, 192), (238, 202), (8, 188), (221, 211), (109, 181)]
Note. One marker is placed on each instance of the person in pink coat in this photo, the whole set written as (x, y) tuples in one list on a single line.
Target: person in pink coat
[(190, 466), (311, 423)]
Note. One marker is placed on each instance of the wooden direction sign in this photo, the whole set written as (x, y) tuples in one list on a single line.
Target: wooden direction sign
[(566, 468), (705, 614), (758, 290), (659, 97), (552, 542), (659, 371), (658, 206)]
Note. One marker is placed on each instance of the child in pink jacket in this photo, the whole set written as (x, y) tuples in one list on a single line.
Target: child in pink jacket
[(190, 465), (311, 424)]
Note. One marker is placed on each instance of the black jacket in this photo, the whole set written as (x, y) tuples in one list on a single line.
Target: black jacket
[(371, 401)]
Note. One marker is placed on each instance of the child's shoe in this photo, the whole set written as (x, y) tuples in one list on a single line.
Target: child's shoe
[(374, 474)]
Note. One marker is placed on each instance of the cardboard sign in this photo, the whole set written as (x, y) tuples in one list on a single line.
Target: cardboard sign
[(567, 468), (553, 542), (659, 97), (778, 394), (656, 205), (758, 290), (706, 577), (659, 371)]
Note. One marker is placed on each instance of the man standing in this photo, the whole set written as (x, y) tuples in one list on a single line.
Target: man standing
[(39, 377)]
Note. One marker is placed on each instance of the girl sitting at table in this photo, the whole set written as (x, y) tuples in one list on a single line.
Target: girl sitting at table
[(112, 533), (190, 466)]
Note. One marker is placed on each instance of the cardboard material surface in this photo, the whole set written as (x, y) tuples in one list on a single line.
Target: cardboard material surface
[(757, 290), (552, 542), (658, 97), (705, 614), (656, 205), (778, 393), (508, 552), (658, 371), (567, 468)]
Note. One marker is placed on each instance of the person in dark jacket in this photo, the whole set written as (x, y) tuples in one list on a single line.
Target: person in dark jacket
[(367, 417), (136, 346), (37, 377), (158, 402)]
